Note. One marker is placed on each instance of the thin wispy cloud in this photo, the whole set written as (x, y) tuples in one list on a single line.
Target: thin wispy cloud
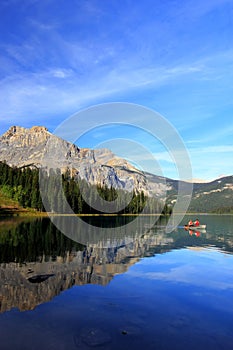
[(79, 90), (175, 59), (188, 271)]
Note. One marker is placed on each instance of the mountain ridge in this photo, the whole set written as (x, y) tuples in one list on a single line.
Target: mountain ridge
[(22, 147), (36, 146)]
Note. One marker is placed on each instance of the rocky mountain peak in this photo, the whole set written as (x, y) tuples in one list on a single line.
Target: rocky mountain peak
[(20, 136), (36, 146), (22, 146), (17, 130)]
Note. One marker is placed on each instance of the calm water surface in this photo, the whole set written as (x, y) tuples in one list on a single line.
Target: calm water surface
[(144, 289)]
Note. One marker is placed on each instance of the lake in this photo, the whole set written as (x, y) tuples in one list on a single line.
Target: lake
[(116, 288)]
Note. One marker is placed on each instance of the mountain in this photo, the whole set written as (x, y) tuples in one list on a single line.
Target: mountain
[(215, 196), (36, 146)]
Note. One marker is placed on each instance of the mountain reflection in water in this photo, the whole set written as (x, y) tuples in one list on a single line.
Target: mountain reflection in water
[(37, 261)]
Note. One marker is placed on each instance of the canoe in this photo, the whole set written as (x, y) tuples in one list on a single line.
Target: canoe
[(200, 227)]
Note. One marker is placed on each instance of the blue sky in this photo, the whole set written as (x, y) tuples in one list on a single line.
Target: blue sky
[(174, 57)]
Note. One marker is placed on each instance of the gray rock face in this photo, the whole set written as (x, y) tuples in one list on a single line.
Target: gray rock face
[(95, 265), (20, 146), (38, 147)]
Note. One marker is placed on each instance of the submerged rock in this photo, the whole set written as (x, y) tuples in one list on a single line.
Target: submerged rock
[(92, 337)]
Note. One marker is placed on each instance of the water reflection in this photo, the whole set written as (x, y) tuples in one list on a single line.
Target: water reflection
[(37, 261)]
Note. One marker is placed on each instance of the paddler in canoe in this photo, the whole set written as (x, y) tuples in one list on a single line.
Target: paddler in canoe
[(192, 224), (196, 224)]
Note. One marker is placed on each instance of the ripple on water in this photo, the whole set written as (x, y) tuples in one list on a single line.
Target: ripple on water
[(92, 337)]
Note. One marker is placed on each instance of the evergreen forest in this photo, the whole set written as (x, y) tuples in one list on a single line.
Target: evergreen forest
[(63, 193)]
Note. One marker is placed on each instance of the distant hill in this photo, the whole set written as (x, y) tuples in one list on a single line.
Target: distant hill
[(215, 196)]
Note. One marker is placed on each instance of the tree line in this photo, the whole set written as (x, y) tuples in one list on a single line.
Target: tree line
[(63, 192), (34, 240), (22, 185)]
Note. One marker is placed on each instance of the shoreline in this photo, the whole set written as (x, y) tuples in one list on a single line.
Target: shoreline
[(15, 212)]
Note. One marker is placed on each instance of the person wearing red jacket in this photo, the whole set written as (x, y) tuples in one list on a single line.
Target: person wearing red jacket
[(190, 223)]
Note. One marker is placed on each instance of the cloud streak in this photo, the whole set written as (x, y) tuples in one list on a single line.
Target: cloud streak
[(177, 59), (23, 91), (192, 271)]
